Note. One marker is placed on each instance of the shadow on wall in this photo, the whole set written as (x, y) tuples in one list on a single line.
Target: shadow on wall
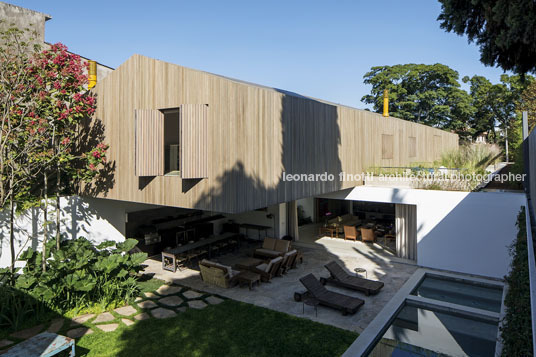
[(309, 144)]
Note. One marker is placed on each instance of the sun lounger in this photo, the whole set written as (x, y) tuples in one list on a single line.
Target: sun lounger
[(347, 304), (341, 278)]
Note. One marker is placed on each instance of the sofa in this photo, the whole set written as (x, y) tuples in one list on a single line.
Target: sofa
[(272, 248), (218, 274)]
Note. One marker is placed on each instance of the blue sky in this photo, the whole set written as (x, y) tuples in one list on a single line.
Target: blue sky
[(316, 48)]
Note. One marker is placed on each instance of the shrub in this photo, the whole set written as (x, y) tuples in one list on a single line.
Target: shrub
[(17, 309), (474, 158), (516, 330), (80, 275)]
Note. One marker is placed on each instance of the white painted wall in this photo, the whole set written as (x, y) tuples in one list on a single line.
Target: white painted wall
[(466, 232), (95, 219)]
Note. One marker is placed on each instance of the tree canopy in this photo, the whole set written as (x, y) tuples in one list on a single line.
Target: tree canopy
[(505, 30)]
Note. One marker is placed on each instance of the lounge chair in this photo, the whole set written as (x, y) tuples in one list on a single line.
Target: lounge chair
[(288, 260), (350, 232), (367, 235), (341, 278), (217, 274), (266, 270), (272, 248), (347, 304)]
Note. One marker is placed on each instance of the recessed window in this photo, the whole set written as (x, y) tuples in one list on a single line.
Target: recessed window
[(412, 146), (387, 146), (171, 142)]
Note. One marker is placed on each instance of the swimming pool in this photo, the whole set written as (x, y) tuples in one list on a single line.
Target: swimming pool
[(461, 291), (436, 313)]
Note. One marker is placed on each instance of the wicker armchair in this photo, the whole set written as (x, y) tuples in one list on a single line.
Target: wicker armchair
[(217, 274)]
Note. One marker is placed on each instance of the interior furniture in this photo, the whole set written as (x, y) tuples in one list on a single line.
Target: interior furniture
[(311, 301), (272, 247), (266, 270), (248, 262), (341, 278), (248, 278), (367, 235), (218, 274), (350, 232), (259, 228), (347, 304)]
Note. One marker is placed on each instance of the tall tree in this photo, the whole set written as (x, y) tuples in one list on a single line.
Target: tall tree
[(527, 102), (427, 94), (505, 30)]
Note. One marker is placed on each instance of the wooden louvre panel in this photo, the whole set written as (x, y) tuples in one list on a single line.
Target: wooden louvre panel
[(194, 141), (412, 146), (437, 147), (387, 146), (149, 142)]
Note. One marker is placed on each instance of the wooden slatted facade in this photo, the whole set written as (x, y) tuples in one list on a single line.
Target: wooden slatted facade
[(194, 141), (149, 147), (254, 134)]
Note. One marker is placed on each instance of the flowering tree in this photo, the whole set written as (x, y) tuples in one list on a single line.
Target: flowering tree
[(45, 102)]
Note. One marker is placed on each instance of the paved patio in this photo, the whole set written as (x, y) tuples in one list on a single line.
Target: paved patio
[(278, 294)]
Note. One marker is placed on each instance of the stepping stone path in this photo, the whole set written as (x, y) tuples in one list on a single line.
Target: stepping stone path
[(168, 295), (172, 301), (127, 322), (104, 317), (190, 294), (79, 332), (81, 319), (213, 300), (147, 304), (142, 316), (162, 313), (108, 327), (56, 325), (27, 333), (126, 310), (168, 290), (196, 304)]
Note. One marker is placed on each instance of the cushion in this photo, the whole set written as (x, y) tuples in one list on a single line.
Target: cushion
[(263, 267), (291, 252), (269, 243), (217, 265), (267, 252), (282, 245)]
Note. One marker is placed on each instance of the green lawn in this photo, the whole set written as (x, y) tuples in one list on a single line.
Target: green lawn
[(228, 329)]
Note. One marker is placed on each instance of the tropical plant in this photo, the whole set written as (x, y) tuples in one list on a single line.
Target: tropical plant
[(81, 275)]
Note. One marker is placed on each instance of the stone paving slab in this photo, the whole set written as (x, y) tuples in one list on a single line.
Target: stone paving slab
[(56, 325), (104, 317), (139, 298), (171, 301), (190, 294), (150, 295), (147, 304), (79, 332), (27, 333), (108, 327), (126, 310), (161, 313), (197, 304), (142, 316), (213, 300), (127, 322), (168, 290), (81, 319)]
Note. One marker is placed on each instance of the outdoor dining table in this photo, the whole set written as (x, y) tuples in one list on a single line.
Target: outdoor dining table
[(175, 252)]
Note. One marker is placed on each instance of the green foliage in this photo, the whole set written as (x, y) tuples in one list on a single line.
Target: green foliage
[(516, 330), (80, 275), (227, 329), (427, 94), (17, 309), (503, 29), (474, 158)]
